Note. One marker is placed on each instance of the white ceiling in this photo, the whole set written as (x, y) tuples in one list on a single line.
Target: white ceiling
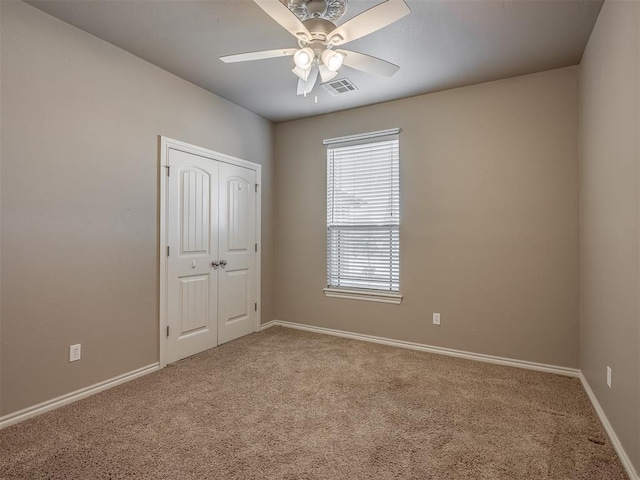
[(441, 44)]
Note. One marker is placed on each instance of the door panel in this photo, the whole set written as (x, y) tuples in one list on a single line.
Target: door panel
[(236, 289), (237, 231), (238, 193), (194, 303), (195, 211), (193, 241)]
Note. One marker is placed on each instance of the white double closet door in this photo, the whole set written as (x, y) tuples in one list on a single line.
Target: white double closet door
[(211, 269)]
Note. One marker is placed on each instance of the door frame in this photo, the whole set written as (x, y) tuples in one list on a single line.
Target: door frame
[(165, 145)]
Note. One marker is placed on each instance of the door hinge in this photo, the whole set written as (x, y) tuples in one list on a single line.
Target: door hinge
[(256, 188), (255, 306), (256, 247), (167, 330), (168, 167), (168, 248)]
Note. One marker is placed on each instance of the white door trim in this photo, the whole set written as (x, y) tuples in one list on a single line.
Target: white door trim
[(165, 144)]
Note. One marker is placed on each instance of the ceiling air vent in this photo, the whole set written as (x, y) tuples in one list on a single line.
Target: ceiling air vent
[(340, 86)]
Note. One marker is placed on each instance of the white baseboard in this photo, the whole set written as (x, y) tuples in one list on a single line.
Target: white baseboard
[(511, 362), (58, 402), (624, 458), (272, 323), (571, 372)]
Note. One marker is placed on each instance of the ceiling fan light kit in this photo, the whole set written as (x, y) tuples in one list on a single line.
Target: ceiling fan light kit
[(332, 59), (312, 23), (303, 58), (326, 74), (302, 73)]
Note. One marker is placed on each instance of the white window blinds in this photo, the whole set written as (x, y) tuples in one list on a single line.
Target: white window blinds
[(363, 212)]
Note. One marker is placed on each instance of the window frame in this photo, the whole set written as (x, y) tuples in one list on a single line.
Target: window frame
[(357, 293)]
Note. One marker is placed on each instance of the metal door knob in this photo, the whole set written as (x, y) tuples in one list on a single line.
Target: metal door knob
[(223, 263), (215, 264)]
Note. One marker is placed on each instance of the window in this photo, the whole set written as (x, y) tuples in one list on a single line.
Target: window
[(363, 217)]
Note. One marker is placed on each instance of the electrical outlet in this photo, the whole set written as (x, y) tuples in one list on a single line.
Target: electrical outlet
[(436, 319), (608, 376), (74, 353)]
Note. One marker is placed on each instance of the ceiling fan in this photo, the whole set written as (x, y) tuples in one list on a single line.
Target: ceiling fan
[(312, 23)]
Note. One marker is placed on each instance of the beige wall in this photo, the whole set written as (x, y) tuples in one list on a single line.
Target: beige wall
[(81, 120), (489, 211), (489, 229), (609, 221)]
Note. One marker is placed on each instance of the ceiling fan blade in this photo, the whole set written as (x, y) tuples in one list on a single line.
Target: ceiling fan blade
[(247, 57), (310, 83), (369, 21), (367, 63), (285, 17)]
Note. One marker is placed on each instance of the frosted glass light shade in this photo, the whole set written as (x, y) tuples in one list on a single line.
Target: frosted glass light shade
[(303, 58), (333, 60), (302, 74)]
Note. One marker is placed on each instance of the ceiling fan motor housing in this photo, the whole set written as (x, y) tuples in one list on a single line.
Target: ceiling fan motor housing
[(319, 28)]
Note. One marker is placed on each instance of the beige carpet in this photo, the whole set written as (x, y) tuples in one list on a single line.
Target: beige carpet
[(285, 404)]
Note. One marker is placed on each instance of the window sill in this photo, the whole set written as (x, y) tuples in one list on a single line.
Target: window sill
[(366, 295)]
